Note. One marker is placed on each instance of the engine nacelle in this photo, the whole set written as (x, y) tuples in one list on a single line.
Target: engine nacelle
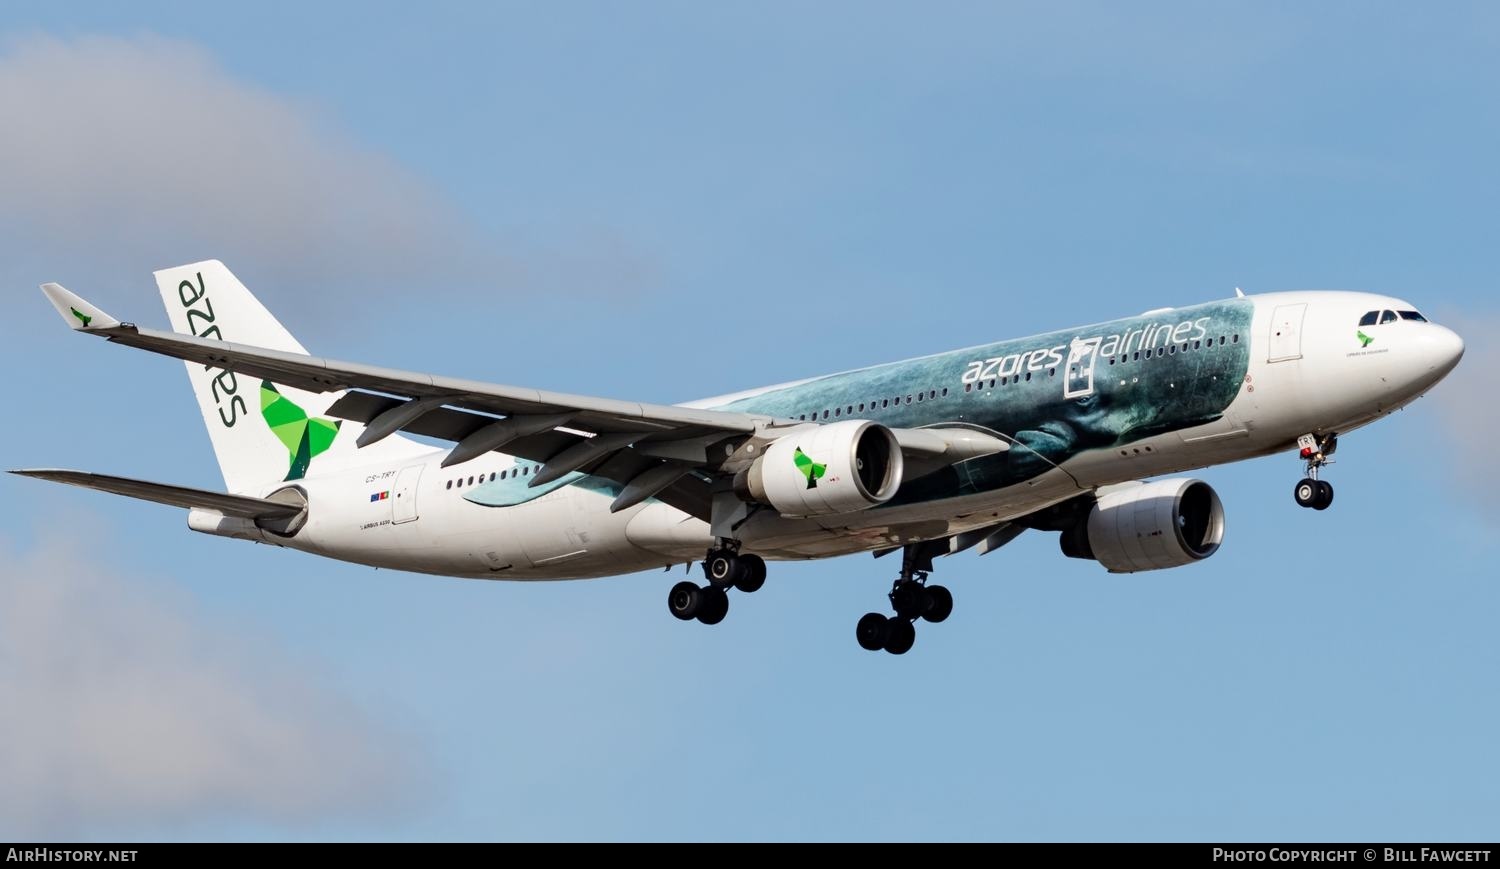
[(1152, 526), (822, 470)]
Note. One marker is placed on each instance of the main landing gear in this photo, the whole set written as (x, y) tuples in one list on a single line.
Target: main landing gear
[(1312, 492), (725, 568), (912, 598)]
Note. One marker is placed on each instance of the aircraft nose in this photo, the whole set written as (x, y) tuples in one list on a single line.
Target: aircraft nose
[(1444, 349)]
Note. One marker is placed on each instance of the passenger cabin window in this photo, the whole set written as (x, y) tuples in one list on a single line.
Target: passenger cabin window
[(1370, 318), (1387, 317), (1413, 315)]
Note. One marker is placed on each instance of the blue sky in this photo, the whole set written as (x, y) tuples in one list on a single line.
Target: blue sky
[(665, 201)]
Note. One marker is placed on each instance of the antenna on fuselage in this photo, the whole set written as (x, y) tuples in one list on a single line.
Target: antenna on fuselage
[(1239, 293)]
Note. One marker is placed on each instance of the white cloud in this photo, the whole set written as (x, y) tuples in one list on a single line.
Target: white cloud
[(120, 707), (1471, 416), (122, 155)]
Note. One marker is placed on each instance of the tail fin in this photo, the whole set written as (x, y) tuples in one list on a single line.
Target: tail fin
[(262, 433)]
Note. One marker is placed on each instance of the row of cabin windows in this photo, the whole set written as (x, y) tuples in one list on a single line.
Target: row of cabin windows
[(1170, 350), (1374, 318), (884, 403), (474, 481), (875, 404)]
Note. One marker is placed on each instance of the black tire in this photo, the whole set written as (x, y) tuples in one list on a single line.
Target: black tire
[(910, 599), (1306, 493), (871, 632), (900, 636), (724, 569), (684, 600), (1325, 496), (941, 606), (713, 605), (754, 568)]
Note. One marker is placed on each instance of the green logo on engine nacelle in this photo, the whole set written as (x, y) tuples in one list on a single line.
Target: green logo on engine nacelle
[(809, 468)]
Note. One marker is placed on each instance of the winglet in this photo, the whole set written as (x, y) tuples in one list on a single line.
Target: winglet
[(76, 312)]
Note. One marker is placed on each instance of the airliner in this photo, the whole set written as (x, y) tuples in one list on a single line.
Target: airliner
[(1076, 432)]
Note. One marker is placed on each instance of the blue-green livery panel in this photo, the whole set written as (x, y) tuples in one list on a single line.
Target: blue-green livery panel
[(1056, 395)]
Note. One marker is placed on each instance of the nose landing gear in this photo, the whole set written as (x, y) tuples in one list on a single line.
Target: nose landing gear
[(1312, 492)]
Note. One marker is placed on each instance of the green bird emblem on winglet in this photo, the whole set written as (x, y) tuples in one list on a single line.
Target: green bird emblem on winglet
[(83, 318), (303, 438), (809, 468), (1364, 340)]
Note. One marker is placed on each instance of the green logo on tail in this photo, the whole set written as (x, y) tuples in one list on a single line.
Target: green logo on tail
[(83, 318), (304, 438), (1364, 340), (809, 468)]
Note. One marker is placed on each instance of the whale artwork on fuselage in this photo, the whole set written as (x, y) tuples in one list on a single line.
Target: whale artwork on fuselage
[(1061, 432)]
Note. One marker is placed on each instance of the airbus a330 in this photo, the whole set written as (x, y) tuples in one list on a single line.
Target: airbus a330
[(1063, 432)]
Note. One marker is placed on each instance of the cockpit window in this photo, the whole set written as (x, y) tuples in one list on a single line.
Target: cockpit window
[(1387, 316), (1413, 315), (1369, 319)]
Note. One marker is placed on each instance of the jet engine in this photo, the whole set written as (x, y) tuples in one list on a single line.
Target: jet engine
[(1150, 526), (823, 470)]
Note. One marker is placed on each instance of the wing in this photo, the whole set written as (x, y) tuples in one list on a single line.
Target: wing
[(666, 451)]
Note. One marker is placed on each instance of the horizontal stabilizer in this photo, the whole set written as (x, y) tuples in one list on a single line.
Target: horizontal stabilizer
[(77, 312), (239, 506)]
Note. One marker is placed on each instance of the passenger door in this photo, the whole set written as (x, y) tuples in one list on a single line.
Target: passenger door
[(1286, 332), (404, 498), (1078, 379)]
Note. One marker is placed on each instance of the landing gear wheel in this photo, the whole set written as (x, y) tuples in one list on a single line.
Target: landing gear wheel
[(909, 599), (723, 568), (871, 632), (1325, 496), (684, 600), (900, 636), (1308, 492), (713, 605), (753, 568), (940, 604)]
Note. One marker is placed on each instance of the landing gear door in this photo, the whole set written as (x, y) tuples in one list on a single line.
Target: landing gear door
[(1078, 380), (1286, 332), (404, 498)]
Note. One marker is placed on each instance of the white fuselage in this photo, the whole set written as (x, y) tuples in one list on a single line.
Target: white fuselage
[(407, 514)]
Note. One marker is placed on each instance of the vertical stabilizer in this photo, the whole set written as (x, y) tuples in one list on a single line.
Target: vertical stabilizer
[(262, 433)]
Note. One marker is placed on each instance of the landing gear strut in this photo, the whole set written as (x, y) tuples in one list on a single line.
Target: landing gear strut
[(912, 598), (725, 567), (1312, 492)]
